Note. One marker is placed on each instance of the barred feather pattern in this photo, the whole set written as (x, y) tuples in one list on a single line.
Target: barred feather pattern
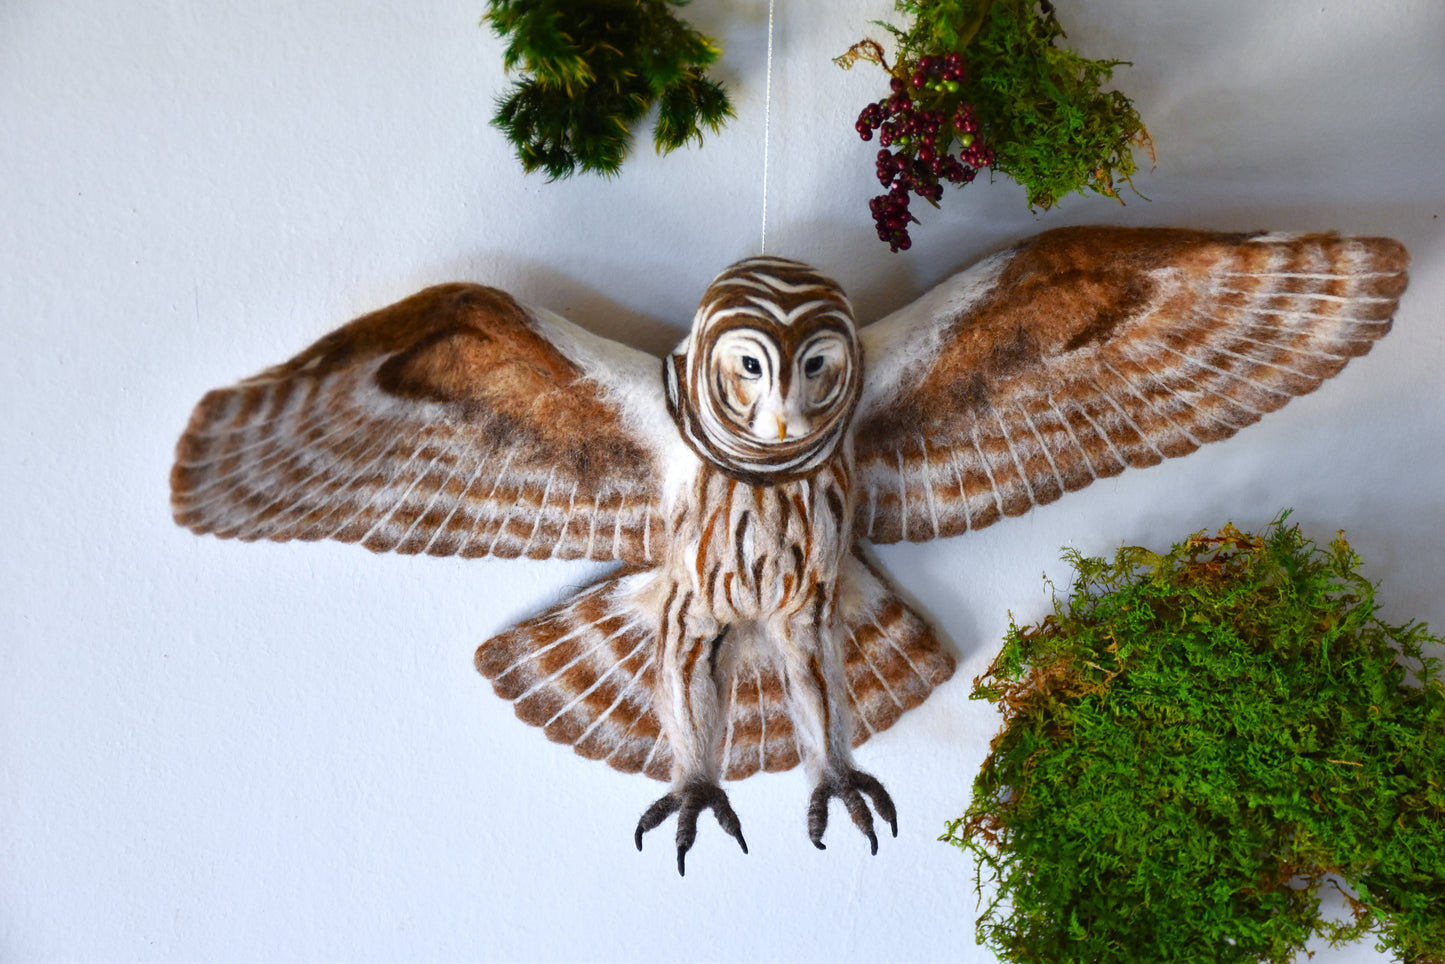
[(752, 578), (746, 632), (456, 422), (1089, 350), (749, 670), (586, 673)]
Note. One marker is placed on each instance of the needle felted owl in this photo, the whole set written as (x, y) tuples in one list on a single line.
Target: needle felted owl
[(736, 479)]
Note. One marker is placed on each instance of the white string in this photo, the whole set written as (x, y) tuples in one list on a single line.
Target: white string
[(767, 129)]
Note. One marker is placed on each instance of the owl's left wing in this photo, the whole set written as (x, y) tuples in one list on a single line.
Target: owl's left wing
[(455, 422), (1088, 350)]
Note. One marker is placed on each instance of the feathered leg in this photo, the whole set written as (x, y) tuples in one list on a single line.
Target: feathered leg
[(812, 648), (693, 666)]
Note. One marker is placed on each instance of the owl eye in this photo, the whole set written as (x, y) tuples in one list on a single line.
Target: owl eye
[(813, 366), (751, 366)]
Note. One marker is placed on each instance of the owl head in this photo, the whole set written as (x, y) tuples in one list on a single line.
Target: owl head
[(765, 383)]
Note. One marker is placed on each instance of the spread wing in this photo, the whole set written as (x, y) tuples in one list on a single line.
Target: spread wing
[(454, 422), (1087, 350)]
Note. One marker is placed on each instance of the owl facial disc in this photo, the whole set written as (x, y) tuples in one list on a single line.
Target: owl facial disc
[(766, 381)]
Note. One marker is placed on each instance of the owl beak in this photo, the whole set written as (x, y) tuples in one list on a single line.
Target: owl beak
[(782, 428)]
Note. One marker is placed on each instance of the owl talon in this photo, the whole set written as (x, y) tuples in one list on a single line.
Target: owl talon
[(688, 803), (850, 786), (654, 815)]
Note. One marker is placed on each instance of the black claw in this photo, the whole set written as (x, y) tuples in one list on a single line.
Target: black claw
[(736, 832), (849, 786), (881, 801), (688, 803), (818, 815), (660, 810), (858, 810), (727, 819)]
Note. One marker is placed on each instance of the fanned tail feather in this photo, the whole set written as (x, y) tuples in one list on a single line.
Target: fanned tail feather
[(759, 734), (891, 659), (585, 670)]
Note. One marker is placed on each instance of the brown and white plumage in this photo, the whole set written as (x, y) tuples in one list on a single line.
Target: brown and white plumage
[(1087, 350), (734, 479), (585, 670), (455, 422)]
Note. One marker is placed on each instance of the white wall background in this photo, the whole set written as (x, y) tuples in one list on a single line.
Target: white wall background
[(220, 751)]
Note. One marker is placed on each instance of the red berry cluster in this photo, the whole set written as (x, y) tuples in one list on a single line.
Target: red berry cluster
[(921, 120)]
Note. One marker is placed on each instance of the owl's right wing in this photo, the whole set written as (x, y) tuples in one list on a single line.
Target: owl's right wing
[(1084, 351), (455, 422)]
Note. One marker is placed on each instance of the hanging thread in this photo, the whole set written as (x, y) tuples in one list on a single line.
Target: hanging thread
[(767, 129)]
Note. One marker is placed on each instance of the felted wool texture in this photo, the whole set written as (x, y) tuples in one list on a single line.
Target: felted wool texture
[(737, 479)]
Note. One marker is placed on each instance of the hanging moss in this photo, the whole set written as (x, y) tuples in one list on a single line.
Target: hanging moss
[(592, 71), (1194, 745), (1053, 127)]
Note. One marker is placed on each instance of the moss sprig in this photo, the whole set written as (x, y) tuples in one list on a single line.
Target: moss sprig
[(1025, 106), (1194, 745), (592, 71)]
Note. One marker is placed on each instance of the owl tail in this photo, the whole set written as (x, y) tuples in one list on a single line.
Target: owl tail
[(891, 659), (584, 672)]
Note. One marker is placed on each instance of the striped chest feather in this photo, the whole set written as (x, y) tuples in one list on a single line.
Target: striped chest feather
[(748, 552)]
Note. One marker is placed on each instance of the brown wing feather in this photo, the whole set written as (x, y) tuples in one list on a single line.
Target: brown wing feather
[(449, 423), (1088, 350)]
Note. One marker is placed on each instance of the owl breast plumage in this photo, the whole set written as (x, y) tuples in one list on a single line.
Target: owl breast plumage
[(738, 479)]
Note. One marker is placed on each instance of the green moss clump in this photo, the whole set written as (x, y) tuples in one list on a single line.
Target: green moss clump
[(1052, 126), (592, 71), (1196, 743)]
